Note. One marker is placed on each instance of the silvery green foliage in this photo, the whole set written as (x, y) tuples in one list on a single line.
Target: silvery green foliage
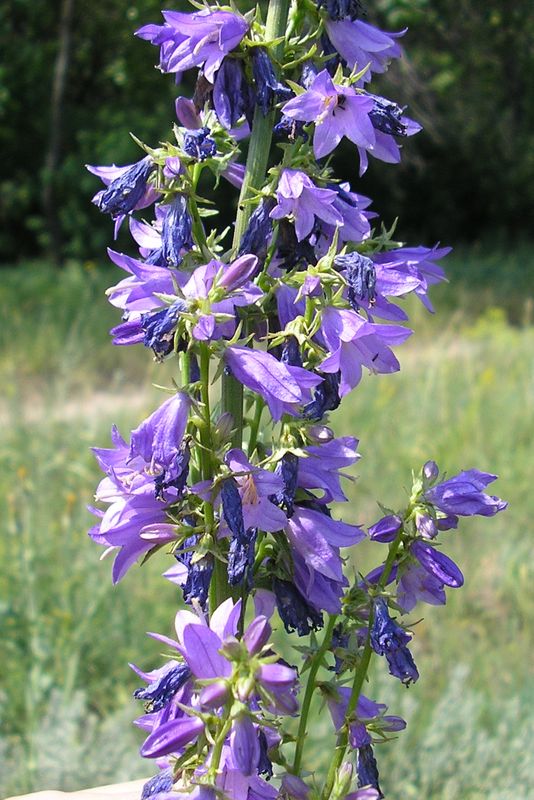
[(93, 751), (489, 760)]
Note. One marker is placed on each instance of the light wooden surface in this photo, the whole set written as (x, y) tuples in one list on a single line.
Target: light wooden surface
[(118, 791)]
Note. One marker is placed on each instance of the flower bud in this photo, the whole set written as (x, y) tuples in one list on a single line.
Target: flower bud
[(430, 471)]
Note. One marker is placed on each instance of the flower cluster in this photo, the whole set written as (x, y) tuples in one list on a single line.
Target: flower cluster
[(234, 476)]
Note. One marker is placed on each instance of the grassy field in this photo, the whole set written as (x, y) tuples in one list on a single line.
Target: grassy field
[(464, 397)]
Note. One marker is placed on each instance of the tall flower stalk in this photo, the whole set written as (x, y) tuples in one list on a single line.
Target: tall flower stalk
[(233, 477)]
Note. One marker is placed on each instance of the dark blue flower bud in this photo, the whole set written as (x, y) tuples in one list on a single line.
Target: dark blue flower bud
[(389, 639), (367, 769), (176, 231), (199, 572), (242, 544), (268, 87), (163, 689), (257, 236), (159, 784), (325, 397), (288, 129), (241, 557), (287, 469), (233, 96), (340, 640), (176, 476), (123, 194), (295, 613), (156, 258), (265, 766), (360, 274), (342, 9), (290, 251), (291, 352), (159, 328), (198, 144), (386, 116), (232, 507)]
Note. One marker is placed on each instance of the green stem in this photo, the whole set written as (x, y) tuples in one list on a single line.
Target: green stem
[(219, 584), (256, 167), (262, 128), (308, 694), (359, 678), (199, 234), (255, 426)]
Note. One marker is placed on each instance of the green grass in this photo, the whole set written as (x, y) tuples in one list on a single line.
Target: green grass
[(463, 397)]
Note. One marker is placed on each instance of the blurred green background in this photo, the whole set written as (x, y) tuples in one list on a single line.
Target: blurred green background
[(464, 395)]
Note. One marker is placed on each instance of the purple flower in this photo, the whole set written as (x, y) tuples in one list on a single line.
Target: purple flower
[(410, 269), (367, 711), (163, 688), (268, 88), (243, 541), (360, 44), (139, 291), (463, 495), (192, 573), (314, 539), (368, 769), (198, 144), (176, 233), (284, 388), (417, 584), (301, 200), (256, 488), (389, 639), (171, 737), (257, 237), (201, 39), (337, 111), (158, 786), (287, 469), (233, 97), (342, 9), (360, 274), (294, 610), (127, 188), (437, 564), (157, 440), (322, 467), (386, 529), (353, 343), (352, 207), (325, 397)]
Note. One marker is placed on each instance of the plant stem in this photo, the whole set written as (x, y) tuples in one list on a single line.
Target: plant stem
[(257, 159), (262, 128), (218, 585), (254, 428), (308, 694), (359, 677)]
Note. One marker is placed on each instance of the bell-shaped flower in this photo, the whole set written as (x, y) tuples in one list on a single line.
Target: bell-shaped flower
[(337, 111), (283, 387), (126, 189), (463, 495), (389, 639), (322, 467), (368, 714), (200, 39), (353, 343), (302, 201), (360, 43)]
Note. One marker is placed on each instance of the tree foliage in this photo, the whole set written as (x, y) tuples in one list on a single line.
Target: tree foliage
[(477, 59)]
